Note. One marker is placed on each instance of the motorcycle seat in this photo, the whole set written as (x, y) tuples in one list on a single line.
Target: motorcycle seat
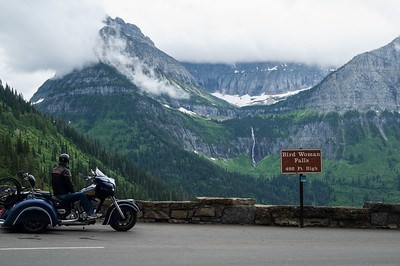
[(52, 198), (55, 199)]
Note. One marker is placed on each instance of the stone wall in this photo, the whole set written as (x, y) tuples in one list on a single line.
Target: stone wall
[(246, 211)]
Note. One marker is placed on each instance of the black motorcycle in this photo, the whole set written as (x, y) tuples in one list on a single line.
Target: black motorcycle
[(32, 210)]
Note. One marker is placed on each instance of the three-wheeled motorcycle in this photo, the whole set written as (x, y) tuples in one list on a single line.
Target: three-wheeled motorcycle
[(33, 210)]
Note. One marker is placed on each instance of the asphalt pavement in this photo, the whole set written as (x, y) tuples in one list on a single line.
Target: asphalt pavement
[(196, 244)]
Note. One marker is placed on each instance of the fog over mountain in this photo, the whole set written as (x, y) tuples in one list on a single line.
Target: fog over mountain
[(46, 37), (125, 47)]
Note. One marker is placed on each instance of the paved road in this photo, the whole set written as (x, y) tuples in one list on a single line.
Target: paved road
[(172, 244)]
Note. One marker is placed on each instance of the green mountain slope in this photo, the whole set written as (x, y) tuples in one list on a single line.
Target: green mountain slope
[(361, 161), (185, 174), (163, 141), (147, 132), (31, 142)]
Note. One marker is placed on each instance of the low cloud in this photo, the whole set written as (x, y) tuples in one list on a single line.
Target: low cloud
[(43, 37), (49, 34), (113, 52), (328, 32)]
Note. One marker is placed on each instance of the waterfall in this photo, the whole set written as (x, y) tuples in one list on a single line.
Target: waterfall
[(252, 148)]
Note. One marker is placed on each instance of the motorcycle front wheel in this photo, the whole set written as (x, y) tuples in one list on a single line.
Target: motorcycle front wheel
[(127, 223)]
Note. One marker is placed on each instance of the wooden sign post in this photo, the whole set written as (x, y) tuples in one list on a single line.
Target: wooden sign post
[(299, 162)]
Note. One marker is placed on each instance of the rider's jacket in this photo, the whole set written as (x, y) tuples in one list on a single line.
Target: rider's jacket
[(61, 179)]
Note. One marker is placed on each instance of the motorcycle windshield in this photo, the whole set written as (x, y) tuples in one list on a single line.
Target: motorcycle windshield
[(99, 173), (103, 177)]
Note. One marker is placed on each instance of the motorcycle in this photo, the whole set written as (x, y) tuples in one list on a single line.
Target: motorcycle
[(33, 210)]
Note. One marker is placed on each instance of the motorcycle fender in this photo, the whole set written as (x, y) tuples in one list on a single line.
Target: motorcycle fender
[(113, 214), (31, 209)]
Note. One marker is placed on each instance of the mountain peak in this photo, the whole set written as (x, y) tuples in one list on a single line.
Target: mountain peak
[(124, 47), (136, 65), (119, 26), (368, 82), (390, 51)]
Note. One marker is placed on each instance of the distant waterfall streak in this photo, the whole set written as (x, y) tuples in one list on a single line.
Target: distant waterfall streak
[(252, 148)]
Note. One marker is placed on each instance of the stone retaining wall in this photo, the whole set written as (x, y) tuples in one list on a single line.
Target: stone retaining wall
[(246, 211)]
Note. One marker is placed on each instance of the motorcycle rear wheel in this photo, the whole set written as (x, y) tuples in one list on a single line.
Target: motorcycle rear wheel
[(127, 223), (34, 227)]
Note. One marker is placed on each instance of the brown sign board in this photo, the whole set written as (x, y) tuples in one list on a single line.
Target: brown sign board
[(301, 161)]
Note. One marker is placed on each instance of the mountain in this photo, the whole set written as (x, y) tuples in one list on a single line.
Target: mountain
[(122, 41), (206, 147), (142, 68), (111, 101), (368, 82), (124, 47), (271, 81), (143, 130)]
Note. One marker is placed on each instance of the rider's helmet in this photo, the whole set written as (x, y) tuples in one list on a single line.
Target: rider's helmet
[(64, 158)]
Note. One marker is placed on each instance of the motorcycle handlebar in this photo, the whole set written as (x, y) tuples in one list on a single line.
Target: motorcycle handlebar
[(26, 175), (90, 176)]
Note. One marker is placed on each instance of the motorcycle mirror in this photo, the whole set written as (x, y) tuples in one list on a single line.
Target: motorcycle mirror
[(21, 174), (31, 179)]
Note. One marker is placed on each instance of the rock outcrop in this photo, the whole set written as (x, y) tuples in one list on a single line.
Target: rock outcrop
[(256, 78), (368, 82)]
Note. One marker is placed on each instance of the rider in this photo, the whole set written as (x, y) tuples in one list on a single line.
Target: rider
[(63, 188)]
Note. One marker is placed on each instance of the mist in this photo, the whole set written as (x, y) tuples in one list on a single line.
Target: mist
[(325, 33), (43, 37), (112, 51)]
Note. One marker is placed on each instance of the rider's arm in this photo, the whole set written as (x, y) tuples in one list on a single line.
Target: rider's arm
[(68, 180)]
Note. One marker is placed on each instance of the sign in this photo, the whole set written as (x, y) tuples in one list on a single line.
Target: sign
[(301, 161)]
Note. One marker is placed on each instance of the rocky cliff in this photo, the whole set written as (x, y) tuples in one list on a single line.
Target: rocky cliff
[(256, 78), (368, 82)]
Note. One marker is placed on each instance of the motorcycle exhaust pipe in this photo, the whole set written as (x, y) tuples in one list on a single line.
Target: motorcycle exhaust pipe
[(69, 221), (76, 222)]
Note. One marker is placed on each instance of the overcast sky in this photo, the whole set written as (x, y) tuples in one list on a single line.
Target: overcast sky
[(41, 37)]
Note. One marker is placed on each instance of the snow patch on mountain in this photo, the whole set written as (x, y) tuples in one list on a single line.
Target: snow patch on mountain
[(263, 99), (38, 101), (185, 111)]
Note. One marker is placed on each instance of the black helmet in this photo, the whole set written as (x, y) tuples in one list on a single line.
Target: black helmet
[(64, 158)]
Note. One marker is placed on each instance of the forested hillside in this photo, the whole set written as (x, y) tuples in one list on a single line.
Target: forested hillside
[(360, 154), (32, 142), (363, 165)]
